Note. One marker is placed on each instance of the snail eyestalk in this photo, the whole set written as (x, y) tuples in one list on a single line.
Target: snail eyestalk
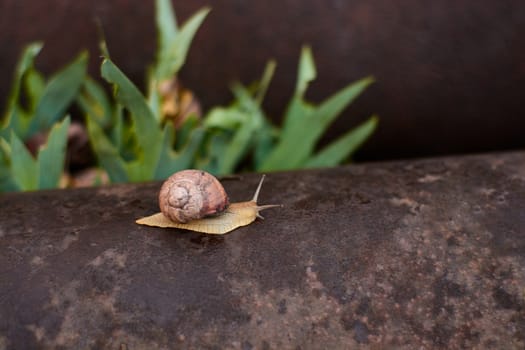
[(267, 206), (256, 195)]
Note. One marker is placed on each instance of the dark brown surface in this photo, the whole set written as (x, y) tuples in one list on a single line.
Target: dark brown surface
[(407, 255), (450, 74)]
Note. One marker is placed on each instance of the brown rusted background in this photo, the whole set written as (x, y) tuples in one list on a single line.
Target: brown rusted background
[(451, 74)]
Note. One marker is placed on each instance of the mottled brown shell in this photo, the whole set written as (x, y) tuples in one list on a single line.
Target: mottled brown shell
[(192, 194)]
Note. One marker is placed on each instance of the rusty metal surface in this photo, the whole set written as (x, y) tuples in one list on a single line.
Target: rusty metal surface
[(440, 68), (407, 255)]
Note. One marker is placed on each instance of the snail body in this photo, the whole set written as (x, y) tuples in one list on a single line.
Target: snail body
[(205, 205)]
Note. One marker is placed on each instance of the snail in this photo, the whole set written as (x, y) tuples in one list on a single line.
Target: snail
[(195, 200)]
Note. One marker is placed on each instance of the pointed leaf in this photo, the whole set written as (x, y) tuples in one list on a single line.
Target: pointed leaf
[(7, 183), (171, 161), (117, 131), (24, 167), (19, 122), (328, 111), (128, 147), (297, 144), (322, 117), (265, 141), (52, 155), (15, 118), (296, 114), (266, 79), (154, 98), (35, 85), (24, 63), (166, 24), (214, 149), (5, 152), (94, 102), (107, 155), (170, 61), (306, 73), (185, 130), (236, 148), (60, 91), (243, 138), (137, 172), (339, 150), (297, 108), (224, 117), (145, 125)]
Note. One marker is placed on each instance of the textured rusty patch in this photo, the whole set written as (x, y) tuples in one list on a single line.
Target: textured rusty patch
[(405, 254)]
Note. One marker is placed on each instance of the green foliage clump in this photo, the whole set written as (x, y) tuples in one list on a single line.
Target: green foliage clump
[(36, 108), (134, 141), (142, 147), (293, 145)]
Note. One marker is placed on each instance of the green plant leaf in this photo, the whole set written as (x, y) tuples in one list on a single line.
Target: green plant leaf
[(298, 108), (224, 117), (7, 182), (296, 114), (128, 148), (139, 149), (265, 138), (213, 150), (18, 123), (136, 171), (330, 109), (166, 25), (52, 155), (28, 173), (145, 125), (24, 64), (297, 144), (5, 154), (339, 150), (265, 81), (35, 85), (236, 148), (185, 130), (118, 134), (306, 72), (154, 98), (171, 59), (23, 166), (240, 143), (60, 91), (239, 126), (171, 161), (107, 155), (94, 102)]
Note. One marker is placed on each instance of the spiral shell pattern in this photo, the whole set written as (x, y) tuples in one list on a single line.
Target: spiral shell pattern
[(192, 194)]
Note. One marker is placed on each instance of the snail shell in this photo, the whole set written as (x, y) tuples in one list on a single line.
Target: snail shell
[(192, 194)]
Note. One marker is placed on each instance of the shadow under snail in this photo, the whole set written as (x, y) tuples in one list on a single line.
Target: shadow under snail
[(195, 200)]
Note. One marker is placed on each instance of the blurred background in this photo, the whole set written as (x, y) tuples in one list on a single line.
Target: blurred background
[(450, 74)]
